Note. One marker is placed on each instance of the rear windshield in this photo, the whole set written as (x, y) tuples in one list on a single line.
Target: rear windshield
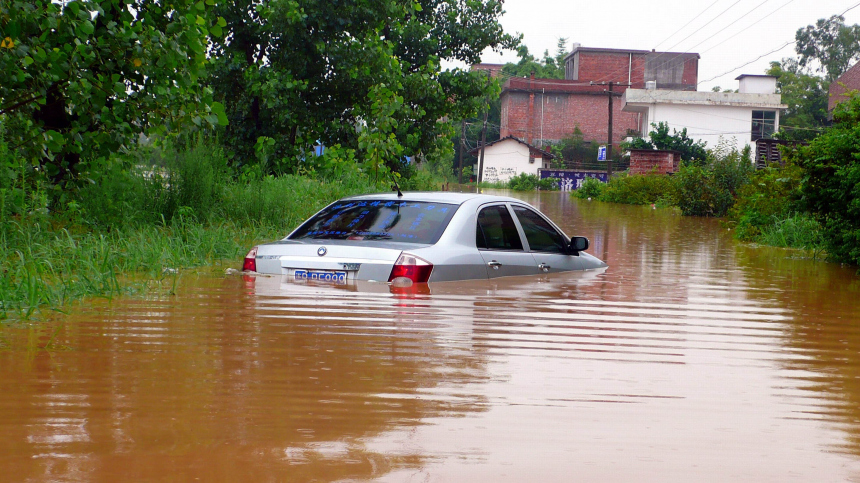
[(400, 221)]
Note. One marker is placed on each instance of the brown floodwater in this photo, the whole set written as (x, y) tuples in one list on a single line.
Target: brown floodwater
[(691, 358)]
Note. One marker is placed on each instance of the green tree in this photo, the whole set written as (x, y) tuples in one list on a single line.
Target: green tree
[(549, 67), (303, 71), (691, 151), (806, 96), (83, 78), (830, 186), (830, 44), (573, 148)]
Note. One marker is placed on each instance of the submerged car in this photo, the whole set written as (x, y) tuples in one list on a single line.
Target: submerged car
[(420, 238)]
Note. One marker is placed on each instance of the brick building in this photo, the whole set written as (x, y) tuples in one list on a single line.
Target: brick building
[(543, 111), (495, 70), (844, 84)]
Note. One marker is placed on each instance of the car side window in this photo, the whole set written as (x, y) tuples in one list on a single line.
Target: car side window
[(496, 230), (542, 237)]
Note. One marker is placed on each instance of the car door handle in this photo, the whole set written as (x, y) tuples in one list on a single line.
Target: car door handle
[(544, 267), (494, 264)]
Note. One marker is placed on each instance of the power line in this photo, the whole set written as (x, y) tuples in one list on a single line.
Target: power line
[(750, 62), (729, 25), (748, 26), (772, 51), (688, 23), (703, 26)]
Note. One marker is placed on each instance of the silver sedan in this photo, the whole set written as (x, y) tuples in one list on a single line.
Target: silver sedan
[(422, 237)]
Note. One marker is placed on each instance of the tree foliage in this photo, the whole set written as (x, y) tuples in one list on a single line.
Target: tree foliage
[(303, 71), (573, 148), (83, 78), (805, 95), (659, 138), (830, 45), (830, 185), (549, 67)]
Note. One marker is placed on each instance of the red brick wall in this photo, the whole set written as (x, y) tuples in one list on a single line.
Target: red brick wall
[(612, 66), (555, 115), (691, 72), (648, 161), (494, 69), (849, 81)]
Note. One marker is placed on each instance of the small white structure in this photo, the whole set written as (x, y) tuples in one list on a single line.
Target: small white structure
[(509, 157), (739, 118)]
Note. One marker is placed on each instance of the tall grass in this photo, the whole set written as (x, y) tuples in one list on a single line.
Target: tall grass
[(794, 231), (46, 268), (153, 213)]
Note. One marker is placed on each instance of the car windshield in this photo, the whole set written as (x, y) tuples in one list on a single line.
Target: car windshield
[(401, 221)]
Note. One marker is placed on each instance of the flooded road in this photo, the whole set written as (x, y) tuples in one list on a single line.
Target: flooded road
[(691, 358)]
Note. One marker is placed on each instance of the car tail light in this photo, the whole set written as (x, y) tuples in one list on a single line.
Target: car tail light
[(250, 264), (411, 267)]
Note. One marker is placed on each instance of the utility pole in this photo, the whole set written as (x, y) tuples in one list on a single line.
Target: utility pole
[(484, 135), (609, 141), (611, 94), (462, 144)]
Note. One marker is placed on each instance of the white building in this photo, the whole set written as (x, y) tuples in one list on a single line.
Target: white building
[(737, 117), (509, 157)]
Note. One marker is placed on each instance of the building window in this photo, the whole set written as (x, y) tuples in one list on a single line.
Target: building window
[(763, 124)]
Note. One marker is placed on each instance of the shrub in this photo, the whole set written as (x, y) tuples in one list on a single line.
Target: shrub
[(770, 196), (638, 189), (710, 190), (590, 188), (531, 182), (831, 182)]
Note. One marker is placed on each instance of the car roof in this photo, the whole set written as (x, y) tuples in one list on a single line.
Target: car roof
[(434, 197)]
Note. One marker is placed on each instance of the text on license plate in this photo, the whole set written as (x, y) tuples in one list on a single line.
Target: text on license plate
[(324, 276)]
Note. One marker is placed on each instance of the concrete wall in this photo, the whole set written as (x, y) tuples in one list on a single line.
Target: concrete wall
[(708, 123), (672, 70), (708, 116), (506, 159), (756, 84)]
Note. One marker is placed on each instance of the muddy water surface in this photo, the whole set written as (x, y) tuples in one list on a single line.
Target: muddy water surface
[(691, 358)]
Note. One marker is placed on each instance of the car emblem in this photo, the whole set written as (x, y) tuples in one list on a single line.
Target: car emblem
[(321, 251)]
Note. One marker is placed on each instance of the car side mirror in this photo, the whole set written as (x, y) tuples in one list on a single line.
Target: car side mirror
[(578, 244)]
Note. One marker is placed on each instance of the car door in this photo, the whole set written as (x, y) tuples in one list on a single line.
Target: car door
[(500, 244), (546, 244)]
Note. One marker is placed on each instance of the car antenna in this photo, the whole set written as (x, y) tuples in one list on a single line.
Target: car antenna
[(394, 178)]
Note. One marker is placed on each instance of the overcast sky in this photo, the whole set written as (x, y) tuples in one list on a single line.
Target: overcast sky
[(726, 33)]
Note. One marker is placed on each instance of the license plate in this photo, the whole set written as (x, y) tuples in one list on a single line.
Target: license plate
[(321, 275)]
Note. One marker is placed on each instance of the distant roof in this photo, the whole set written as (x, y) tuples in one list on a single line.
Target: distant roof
[(754, 75), (628, 51), (545, 154)]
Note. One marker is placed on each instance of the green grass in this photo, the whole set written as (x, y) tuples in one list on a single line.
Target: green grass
[(794, 231), (51, 261), (45, 268)]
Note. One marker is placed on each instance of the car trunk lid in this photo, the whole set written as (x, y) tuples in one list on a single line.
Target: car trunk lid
[(330, 262)]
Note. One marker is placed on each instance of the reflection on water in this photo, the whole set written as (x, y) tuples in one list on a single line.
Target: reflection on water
[(690, 358)]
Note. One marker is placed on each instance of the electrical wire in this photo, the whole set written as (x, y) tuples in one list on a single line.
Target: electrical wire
[(685, 25), (703, 26)]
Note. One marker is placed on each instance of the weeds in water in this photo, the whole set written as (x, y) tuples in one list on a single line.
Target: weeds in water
[(795, 231)]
